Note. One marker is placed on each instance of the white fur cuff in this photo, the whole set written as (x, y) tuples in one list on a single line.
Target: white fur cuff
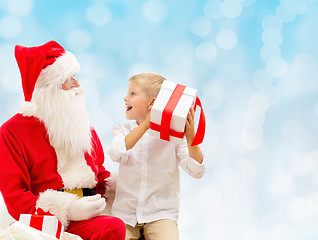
[(57, 203)]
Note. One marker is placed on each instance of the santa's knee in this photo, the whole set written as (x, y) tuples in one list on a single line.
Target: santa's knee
[(118, 226), (114, 228)]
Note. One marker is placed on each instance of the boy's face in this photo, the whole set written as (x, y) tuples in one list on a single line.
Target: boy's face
[(137, 103)]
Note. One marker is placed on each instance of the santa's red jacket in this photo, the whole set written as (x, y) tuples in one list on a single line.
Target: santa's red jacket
[(28, 168)]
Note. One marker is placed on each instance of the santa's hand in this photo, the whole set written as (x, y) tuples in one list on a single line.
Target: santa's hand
[(86, 207)]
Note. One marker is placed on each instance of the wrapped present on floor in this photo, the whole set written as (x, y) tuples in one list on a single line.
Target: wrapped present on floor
[(45, 222), (170, 110)]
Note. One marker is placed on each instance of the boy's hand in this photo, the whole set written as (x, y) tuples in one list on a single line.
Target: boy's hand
[(190, 128), (133, 137), (146, 122), (194, 151)]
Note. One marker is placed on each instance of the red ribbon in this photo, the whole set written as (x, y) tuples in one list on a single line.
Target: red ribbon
[(59, 230), (172, 133), (40, 211), (37, 221), (164, 128), (198, 138), (168, 110)]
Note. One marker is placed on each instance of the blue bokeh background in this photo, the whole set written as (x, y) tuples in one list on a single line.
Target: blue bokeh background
[(254, 64)]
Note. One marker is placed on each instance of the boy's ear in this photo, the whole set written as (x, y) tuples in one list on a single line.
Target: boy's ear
[(151, 102)]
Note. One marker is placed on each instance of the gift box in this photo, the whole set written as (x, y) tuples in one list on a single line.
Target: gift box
[(45, 222), (170, 110)]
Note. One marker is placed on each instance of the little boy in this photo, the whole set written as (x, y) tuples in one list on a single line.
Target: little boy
[(147, 191)]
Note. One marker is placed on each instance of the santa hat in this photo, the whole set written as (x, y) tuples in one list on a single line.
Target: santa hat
[(43, 65)]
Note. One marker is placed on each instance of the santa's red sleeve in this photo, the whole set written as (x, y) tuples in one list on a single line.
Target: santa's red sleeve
[(106, 185), (15, 183), (102, 172)]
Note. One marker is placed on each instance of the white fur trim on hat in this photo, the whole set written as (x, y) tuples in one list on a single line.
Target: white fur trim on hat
[(62, 69), (57, 203), (28, 108)]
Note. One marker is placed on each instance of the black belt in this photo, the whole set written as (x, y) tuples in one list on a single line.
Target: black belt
[(81, 192)]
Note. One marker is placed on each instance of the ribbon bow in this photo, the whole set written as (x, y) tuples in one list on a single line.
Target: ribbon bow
[(40, 211)]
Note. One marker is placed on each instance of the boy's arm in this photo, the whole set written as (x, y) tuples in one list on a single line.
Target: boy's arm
[(194, 151), (133, 137)]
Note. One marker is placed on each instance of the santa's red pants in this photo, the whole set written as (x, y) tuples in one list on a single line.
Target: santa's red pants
[(99, 228)]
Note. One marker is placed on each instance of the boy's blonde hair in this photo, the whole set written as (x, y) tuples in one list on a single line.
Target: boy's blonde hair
[(150, 82)]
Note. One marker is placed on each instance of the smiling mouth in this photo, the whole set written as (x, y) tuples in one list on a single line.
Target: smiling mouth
[(129, 108)]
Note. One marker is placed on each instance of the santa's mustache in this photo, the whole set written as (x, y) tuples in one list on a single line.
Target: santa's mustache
[(76, 91)]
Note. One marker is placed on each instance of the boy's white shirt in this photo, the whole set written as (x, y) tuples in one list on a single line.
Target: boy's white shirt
[(148, 182)]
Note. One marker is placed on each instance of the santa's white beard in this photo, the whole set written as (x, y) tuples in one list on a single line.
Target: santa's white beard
[(65, 117)]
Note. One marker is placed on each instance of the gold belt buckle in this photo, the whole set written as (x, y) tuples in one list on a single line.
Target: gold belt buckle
[(78, 192)]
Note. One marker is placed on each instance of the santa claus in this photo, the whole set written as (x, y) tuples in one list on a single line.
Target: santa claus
[(50, 156)]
